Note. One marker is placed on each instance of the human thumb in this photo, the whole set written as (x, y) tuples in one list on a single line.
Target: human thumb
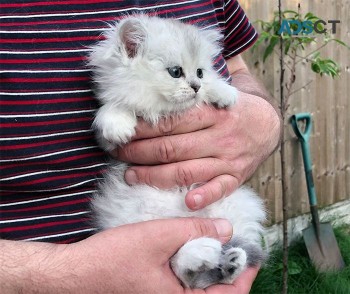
[(173, 233)]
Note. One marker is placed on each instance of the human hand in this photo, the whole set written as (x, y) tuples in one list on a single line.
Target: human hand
[(220, 147), (135, 258)]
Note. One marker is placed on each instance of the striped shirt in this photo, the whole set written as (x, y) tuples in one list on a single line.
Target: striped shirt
[(49, 161)]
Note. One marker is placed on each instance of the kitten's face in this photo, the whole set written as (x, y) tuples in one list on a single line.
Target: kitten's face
[(174, 81), (169, 58), (154, 66)]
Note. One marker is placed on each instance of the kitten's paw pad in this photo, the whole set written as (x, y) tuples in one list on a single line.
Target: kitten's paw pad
[(233, 262)]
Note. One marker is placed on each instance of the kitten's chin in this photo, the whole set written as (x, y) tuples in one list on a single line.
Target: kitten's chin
[(181, 103), (179, 106)]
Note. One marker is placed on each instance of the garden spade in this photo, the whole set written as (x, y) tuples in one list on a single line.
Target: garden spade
[(318, 237)]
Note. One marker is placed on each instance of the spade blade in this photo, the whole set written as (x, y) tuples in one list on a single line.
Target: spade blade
[(323, 249)]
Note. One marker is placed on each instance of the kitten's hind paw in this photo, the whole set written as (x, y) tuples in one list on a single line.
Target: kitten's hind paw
[(203, 262), (233, 262)]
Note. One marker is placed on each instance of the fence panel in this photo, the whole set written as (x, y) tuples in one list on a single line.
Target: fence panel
[(329, 103)]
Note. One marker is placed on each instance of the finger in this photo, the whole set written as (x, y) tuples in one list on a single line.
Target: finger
[(197, 118), (244, 282), (168, 149), (211, 191), (173, 233), (241, 285), (180, 174)]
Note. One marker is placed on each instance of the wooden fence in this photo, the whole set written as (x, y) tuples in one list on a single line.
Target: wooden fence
[(327, 100)]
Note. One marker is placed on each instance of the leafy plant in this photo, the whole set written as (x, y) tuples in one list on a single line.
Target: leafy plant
[(295, 45)]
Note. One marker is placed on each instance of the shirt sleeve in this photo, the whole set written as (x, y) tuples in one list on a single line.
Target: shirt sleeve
[(239, 33)]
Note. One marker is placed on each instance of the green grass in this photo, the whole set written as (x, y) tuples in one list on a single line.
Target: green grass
[(303, 278)]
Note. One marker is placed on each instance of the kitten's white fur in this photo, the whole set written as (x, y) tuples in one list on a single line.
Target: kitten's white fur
[(131, 72)]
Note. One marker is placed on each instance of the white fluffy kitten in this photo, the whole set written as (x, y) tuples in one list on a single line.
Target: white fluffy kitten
[(151, 68)]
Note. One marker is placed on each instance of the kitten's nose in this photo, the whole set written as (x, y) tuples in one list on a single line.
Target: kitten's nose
[(195, 87)]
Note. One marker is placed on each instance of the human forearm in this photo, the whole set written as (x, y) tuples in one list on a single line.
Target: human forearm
[(31, 267), (245, 82)]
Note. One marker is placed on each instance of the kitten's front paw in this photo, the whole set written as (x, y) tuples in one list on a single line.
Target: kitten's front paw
[(203, 262), (118, 133), (114, 128), (222, 94), (227, 96)]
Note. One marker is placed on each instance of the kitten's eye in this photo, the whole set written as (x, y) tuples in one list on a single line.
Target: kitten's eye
[(175, 71), (200, 73)]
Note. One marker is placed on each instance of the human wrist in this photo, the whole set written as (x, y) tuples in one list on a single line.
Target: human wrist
[(32, 267), (263, 115), (245, 82)]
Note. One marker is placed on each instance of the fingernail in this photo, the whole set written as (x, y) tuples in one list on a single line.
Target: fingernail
[(224, 229), (198, 200), (131, 177)]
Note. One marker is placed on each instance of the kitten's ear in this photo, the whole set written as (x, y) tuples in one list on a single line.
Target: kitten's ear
[(133, 35)]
